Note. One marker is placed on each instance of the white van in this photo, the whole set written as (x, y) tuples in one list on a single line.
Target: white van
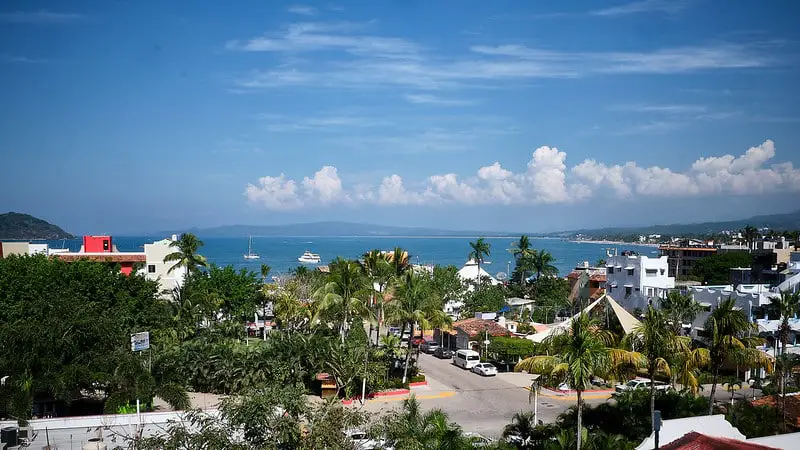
[(466, 359)]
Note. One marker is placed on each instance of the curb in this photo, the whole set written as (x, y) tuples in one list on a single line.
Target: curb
[(418, 383), (393, 392)]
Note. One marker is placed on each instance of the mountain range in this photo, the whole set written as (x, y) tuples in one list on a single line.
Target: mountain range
[(24, 226)]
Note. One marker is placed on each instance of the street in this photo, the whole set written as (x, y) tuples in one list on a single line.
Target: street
[(481, 404)]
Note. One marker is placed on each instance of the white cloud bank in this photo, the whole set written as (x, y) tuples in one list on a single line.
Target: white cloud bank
[(546, 179)]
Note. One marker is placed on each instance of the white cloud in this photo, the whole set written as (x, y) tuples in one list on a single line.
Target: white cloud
[(303, 10), (39, 17), (666, 109), (546, 179), (325, 186), (427, 99), (643, 6)]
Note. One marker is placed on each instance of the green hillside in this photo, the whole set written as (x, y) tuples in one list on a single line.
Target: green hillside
[(24, 226)]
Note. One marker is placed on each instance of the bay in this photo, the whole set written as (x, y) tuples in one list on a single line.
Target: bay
[(281, 253)]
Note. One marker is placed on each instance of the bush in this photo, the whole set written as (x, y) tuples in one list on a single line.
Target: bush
[(417, 378), (753, 421)]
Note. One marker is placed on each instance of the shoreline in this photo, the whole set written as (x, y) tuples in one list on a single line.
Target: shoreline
[(603, 242)]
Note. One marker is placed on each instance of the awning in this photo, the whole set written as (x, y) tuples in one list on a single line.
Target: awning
[(628, 285), (613, 284), (705, 304), (629, 267)]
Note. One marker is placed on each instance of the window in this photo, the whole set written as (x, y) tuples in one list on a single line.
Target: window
[(651, 272), (649, 292), (611, 270), (662, 271), (630, 272), (105, 245), (610, 288), (151, 268), (627, 291)]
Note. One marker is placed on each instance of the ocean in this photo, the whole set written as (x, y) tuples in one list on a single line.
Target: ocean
[(281, 253)]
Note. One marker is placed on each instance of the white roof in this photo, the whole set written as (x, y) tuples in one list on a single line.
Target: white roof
[(470, 273), (784, 441), (625, 318), (673, 429)]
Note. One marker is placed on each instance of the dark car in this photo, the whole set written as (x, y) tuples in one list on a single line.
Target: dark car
[(443, 353)]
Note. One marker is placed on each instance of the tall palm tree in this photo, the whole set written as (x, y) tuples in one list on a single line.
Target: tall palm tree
[(730, 338), (524, 254), (380, 271), (400, 260), (411, 305), (656, 343), (788, 305), (543, 263), (578, 354), (679, 308), (344, 295), (480, 250), (186, 254)]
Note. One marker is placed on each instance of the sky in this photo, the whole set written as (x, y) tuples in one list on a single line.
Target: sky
[(133, 116)]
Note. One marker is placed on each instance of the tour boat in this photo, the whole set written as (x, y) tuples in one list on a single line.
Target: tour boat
[(310, 258)]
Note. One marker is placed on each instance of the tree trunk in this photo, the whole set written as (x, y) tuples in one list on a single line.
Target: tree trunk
[(713, 390), (580, 418), (408, 354), (652, 403)]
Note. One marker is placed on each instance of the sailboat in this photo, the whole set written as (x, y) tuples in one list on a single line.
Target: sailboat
[(250, 254)]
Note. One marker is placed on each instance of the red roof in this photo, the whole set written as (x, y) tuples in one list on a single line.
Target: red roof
[(594, 275), (697, 441), (792, 407), (475, 326)]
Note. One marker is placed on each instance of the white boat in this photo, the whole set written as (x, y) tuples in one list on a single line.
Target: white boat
[(309, 258), (250, 254)]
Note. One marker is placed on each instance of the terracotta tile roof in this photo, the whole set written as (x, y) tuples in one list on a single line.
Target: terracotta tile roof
[(594, 275), (697, 441), (792, 407), (475, 326)]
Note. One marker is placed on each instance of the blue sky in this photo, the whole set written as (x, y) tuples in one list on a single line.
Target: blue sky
[(135, 116)]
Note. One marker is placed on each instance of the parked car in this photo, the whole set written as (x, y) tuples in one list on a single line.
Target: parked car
[(443, 353), (361, 441), (417, 341), (478, 440), (429, 347), (485, 369), (640, 383)]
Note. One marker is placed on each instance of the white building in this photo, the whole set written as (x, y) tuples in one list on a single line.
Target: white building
[(747, 297), (635, 281), (469, 274), (156, 269)]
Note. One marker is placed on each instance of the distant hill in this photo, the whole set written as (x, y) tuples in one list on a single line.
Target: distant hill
[(330, 229), (24, 226), (778, 222)]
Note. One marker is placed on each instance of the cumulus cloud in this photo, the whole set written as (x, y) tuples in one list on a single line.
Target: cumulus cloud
[(545, 179)]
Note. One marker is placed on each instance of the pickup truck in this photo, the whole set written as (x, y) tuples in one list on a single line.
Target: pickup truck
[(640, 383)]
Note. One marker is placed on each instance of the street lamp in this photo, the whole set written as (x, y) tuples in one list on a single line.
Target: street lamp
[(535, 393), (485, 340)]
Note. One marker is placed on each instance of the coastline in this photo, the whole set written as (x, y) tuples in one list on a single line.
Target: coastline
[(639, 244)]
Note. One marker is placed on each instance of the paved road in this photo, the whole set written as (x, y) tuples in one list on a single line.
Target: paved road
[(484, 404)]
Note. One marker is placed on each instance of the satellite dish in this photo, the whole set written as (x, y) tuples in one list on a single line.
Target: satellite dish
[(501, 276)]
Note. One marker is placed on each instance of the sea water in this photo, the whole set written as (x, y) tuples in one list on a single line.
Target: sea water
[(281, 253)]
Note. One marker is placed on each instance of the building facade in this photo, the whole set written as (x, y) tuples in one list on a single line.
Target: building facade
[(681, 258), (636, 281)]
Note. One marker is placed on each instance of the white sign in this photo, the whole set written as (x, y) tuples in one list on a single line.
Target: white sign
[(140, 341)]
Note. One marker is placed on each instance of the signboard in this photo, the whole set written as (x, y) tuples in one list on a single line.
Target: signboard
[(268, 310), (140, 341)]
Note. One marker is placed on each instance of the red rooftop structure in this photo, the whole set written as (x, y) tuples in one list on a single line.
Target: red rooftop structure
[(697, 441), (102, 249)]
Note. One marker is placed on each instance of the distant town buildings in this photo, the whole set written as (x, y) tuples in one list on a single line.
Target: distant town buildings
[(682, 256)]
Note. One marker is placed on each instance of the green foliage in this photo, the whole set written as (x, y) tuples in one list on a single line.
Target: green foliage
[(66, 331), (410, 428), (484, 298), (233, 293), (446, 283), (510, 350), (753, 421), (715, 269), (185, 254)]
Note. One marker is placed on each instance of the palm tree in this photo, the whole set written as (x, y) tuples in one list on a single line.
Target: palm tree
[(410, 428), (524, 253), (344, 295), (411, 305), (543, 263), (731, 385), (788, 304), (578, 354), (679, 308), (656, 343), (521, 429), (730, 338), (480, 250), (399, 259), (265, 269), (750, 234), (186, 254), (380, 272)]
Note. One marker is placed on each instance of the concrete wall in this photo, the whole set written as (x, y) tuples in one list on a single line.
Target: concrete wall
[(156, 269), (15, 248), (650, 280)]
